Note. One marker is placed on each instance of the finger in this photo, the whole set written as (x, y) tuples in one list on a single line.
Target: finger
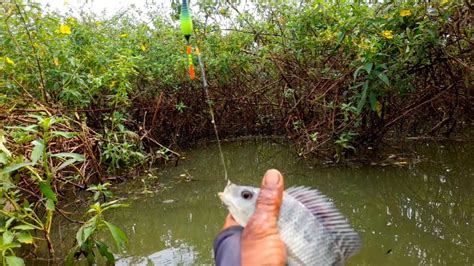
[(229, 221), (261, 242), (271, 194)]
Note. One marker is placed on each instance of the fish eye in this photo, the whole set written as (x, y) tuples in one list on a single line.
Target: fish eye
[(246, 194)]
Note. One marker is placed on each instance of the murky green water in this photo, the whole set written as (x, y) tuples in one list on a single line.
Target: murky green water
[(411, 215)]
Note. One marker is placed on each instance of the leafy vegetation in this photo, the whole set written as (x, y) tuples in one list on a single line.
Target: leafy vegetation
[(83, 98), (90, 247), (35, 175)]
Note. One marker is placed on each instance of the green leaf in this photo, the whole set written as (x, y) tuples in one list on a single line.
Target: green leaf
[(14, 261), (8, 222), (9, 246), (46, 123), (64, 134), (86, 231), (79, 235), (23, 227), (363, 96), (109, 194), (340, 37), (66, 164), (24, 238), (118, 235), (47, 191), (50, 205), (90, 256), (96, 195), (3, 158), (30, 128), (77, 156), (13, 168), (357, 86), (368, 67), (104, 251), (8, 237), (113, 202), (356, 73), (37, 151), (373, 100), (70, 256), (383, 78), (115, 206), (2, 145)]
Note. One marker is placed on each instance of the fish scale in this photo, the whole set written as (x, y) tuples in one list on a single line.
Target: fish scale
[(313, 230), (304, 250)]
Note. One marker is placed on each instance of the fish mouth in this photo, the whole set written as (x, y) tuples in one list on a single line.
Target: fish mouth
[(223, 198), (222, 194)]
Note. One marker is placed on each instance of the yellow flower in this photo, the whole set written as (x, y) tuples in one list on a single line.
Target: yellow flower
[(56, 61), (9, 61), (64, 29), (387, 34), (143, 47), (405, 12), (444, 2), (123, 35)]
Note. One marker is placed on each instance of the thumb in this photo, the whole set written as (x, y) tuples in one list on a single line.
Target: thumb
[(270, 196), (261, 242)]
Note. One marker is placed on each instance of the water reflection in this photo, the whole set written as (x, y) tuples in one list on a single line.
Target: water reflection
[(183, 255), (418, 214)]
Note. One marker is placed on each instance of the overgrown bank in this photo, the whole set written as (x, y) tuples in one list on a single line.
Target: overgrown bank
[(85, 98)]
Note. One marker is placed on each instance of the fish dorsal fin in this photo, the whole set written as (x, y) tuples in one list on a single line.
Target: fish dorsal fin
[(329, 216)]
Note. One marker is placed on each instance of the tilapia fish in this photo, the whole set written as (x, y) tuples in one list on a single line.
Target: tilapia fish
[(314, 231)]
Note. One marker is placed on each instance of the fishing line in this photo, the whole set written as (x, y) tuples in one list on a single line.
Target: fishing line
[(187, 30), (211, 110)]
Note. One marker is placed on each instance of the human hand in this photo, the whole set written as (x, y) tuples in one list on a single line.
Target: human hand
[(261, 243)]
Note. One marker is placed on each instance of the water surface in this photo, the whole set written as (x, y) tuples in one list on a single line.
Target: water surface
[(410, 214)]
